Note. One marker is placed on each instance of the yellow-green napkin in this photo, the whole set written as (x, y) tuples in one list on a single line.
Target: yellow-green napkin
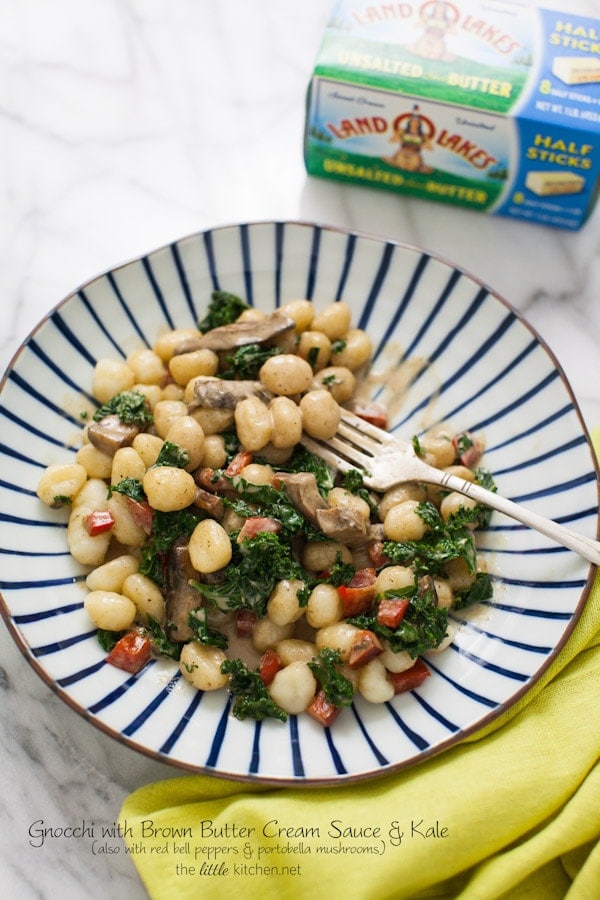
[(513, 813)]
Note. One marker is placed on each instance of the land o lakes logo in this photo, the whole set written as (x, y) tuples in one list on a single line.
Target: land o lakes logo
[(436, 20), (414, 133)]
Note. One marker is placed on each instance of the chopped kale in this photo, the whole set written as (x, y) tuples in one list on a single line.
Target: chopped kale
[(480, 590), (326, 668), (171, 454), (265, 500), (250, 697), (340, 572), (303, 461), (423, 627), (202, 633), (417, 447), (252, 574), (246, 361), (166, 527), (464, 442), (442, 542), (108, 639), (130, 406), (130, 487), (162, 644), (353, 482), (223, 309)]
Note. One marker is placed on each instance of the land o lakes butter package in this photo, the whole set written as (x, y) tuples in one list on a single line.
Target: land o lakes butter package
[(493, 105)]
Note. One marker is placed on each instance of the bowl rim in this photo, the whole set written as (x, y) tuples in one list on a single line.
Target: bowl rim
[(453, 740)]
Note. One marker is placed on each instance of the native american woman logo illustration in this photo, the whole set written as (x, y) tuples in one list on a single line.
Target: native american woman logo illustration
[(414, 133)]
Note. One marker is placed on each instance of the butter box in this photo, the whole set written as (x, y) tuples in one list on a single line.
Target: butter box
[(493, 106)]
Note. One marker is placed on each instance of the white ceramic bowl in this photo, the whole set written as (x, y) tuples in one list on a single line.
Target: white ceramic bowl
[(486, 371)]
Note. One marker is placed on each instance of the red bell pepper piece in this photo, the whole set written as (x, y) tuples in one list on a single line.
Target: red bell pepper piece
[(365, 648), (377, 556), (371, 412), (269, 665), (239, 462), (322, 710), (98, 521), (141, 513), (208, 479), (391, 611), (410, 678), (468, 450), (131, 652), (357, 596), (255, 524)]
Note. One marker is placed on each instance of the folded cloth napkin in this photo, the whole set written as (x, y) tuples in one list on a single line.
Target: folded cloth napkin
[(513, 812)]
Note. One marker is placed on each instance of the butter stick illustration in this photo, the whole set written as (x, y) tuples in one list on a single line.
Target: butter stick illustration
[(577, 69), (551, 184)]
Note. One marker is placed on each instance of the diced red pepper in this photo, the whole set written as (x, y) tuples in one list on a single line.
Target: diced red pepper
[(471, 451), (269, 665), (410, 678), (245, 620), (391, 611), (371, 412), (141, 513), (98, 521), (357, 596), (239, 462), (377, 556), (255, 524), (322, 710), (365, 648), (131, 652), (210, 481)]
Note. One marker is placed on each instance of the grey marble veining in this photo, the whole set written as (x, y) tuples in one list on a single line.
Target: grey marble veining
[(126, 124)]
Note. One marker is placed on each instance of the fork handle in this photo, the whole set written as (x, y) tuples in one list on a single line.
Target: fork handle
[(584, 546)]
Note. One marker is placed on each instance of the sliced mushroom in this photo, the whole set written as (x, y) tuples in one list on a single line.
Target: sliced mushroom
[(219, 393), (238, 334), (303, 491), (110, 434), (209, 503), (181, 597), (343, 525)]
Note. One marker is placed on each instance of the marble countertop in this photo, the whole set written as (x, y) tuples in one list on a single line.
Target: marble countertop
[(126, 124)]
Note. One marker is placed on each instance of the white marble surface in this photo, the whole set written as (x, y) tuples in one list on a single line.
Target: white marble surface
[(125, 124)]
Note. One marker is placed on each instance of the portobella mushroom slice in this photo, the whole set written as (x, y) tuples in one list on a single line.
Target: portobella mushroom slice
[(220, 393), (238, 334), (110, 434)]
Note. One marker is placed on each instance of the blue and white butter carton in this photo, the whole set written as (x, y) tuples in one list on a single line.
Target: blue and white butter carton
[(490, 105)]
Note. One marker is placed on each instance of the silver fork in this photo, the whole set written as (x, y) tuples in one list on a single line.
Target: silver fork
[(386, 461)]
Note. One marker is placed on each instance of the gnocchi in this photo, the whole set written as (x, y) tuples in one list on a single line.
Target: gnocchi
[(205, 525)]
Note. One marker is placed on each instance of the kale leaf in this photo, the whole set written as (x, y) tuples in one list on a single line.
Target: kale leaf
[(166, 527), (202, 633), (223, 309), (480, 590), (162, 644), (130, 406), (252, 574), (423, 627), (251, 699), (171, 454), (130, 487), (326, 668), (442, 542), (246, 361)]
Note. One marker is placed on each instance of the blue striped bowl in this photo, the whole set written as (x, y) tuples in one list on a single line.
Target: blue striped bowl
[(486, 370)]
